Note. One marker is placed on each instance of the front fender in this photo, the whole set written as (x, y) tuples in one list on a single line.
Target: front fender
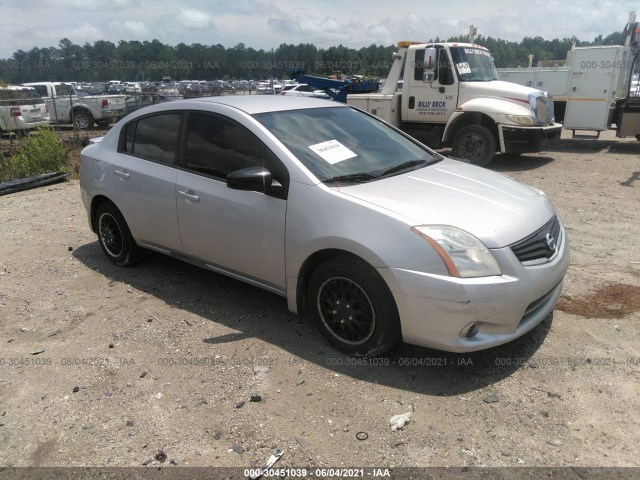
[(482, 110)]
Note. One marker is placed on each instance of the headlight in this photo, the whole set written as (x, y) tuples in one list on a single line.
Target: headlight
[(522, 119), (462, 253)]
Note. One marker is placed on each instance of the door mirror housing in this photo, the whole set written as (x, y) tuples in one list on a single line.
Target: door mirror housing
[(429, 71), (256, 179)]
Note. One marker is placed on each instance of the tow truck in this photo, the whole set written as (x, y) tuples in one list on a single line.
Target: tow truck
[(449, 95)]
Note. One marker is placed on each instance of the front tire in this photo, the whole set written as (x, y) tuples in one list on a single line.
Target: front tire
[(474, 143), (353, 307), (114, 236)]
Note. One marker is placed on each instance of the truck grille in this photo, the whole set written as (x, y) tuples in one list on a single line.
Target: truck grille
[(542, 110), (541, 244)]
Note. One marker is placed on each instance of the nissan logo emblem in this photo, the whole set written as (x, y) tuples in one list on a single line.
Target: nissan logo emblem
[(551, 242)]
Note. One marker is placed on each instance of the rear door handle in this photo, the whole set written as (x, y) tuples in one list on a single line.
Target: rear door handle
[(189, 195), (124, 175)]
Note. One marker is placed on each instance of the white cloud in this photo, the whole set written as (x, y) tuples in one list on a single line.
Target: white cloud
[(265, 24), (191, 18)]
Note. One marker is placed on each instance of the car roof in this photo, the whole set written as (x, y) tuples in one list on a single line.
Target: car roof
[(251, 104)]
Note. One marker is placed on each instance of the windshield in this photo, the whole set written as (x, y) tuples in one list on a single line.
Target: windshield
[(474, 64), (342, 144)]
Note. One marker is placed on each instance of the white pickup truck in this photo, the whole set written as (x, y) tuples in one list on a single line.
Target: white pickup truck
[(65, 106)]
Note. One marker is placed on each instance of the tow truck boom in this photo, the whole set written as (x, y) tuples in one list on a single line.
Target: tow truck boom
[(336, 89)]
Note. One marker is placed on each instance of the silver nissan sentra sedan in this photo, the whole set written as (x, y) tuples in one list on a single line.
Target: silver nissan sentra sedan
[(377, 237)]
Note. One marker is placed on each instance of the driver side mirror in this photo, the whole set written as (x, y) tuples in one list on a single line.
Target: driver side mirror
[(429, 71), (256, 179)]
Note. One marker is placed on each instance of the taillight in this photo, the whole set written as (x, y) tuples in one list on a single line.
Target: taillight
[(105, 103), (15, 112)]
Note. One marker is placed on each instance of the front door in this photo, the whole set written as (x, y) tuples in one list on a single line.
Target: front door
[(432, 101), (238, 231)]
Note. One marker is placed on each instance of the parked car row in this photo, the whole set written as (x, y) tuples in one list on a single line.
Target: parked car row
[(100, 103)]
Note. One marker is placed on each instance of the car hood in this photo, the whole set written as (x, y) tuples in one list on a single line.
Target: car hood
[(495, 208)]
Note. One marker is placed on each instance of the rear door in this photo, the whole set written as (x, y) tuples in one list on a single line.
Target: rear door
[(144, 179)]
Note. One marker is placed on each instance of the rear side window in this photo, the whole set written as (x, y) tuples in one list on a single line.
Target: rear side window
[(153, 138), (63, 90)]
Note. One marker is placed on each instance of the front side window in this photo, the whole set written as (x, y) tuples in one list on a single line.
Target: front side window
[(153, 138), (443, 73), (217, 146)]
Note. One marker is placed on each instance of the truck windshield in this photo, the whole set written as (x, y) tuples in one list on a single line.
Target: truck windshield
[(341, 145), (474, 64)]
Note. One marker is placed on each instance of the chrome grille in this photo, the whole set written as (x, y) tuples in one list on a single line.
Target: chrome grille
[(542, 110), (541, 244)]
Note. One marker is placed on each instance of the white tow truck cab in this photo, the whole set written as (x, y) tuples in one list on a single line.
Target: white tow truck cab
[(448, 94), (596, 88)]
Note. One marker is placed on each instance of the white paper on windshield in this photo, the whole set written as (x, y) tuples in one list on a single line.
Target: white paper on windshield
[(332, 151), (463, 68)]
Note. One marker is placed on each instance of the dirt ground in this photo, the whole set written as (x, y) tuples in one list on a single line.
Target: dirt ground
[(168, 365)]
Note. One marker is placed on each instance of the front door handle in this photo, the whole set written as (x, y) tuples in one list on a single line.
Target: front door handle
[(189, 195), (124, 175)]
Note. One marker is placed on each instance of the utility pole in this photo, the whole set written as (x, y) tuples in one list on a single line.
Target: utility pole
[(473, 33)]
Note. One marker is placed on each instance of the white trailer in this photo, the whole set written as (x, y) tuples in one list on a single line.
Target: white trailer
[(597, 88)]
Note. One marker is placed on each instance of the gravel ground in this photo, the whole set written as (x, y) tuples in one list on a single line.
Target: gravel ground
[(168, 365)]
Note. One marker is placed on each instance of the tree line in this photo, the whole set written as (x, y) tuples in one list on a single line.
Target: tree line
[(152, 60)]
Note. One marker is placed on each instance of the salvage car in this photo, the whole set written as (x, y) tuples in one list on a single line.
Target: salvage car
[(377, 237), (21, 109)]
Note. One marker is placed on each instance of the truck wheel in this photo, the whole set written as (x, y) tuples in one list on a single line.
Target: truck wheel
[(82, 119), (474, 143)]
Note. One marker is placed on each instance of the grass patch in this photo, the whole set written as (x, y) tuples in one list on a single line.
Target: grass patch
[(39, 153)]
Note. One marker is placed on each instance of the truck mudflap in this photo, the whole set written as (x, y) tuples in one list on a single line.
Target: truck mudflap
[(516, 139)]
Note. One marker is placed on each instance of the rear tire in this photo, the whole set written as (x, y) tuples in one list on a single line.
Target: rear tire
[(82, 119), (353, 307), (474, 143), (115, 237)]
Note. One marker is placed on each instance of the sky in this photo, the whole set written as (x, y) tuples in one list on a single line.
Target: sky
[(265, 24)]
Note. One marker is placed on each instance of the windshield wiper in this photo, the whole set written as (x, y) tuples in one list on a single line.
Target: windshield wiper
[(351, 178), (408, 165)]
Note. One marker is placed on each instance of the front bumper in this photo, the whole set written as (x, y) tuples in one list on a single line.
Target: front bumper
[(436, 311), (517, 139)]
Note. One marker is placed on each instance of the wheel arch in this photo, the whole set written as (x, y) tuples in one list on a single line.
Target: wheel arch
[(80, 109), (309, 266), (95, 204), (469, 118)]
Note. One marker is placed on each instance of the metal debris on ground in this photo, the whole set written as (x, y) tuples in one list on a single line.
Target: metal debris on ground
[(270, 462)]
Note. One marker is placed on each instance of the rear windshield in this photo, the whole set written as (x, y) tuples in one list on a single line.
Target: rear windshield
[(22, 96)]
